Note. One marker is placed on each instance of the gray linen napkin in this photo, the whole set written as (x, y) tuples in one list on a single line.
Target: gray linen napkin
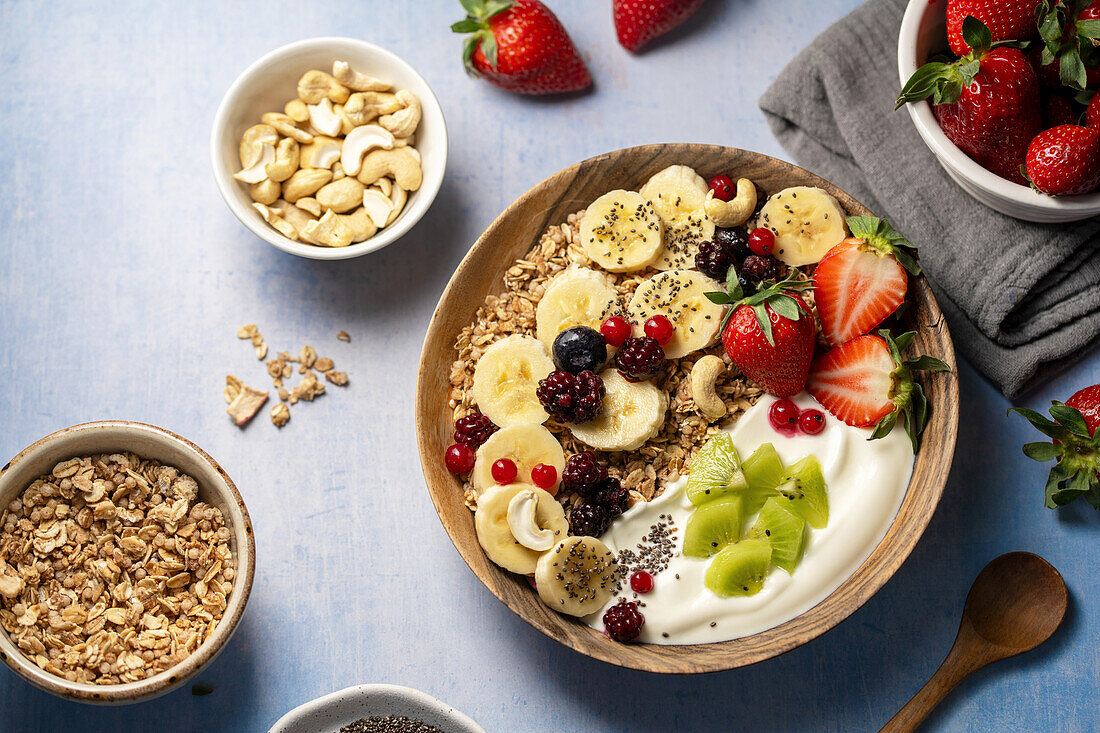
[(1022, 299)]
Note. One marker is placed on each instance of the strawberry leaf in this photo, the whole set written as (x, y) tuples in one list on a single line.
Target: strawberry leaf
[(927, 363), (1041, 452), (1071, 419), (1071, 70), (905, 339), (1089, 28), (976, 34), (1077, 471), (884, 239), (764, 321), (733, 285)]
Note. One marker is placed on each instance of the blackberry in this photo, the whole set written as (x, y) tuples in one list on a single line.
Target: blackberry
[(582, 473), (735, 238), (761, 267), (714, 259), (639, 358), (588, 520), (579, 349), (474, 429), (623, 621), (571, 398), (612, 495)]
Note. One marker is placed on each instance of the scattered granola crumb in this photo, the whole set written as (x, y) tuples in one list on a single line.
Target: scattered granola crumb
[(343, 336), (247, 332), (306, 358), (284, 395), (340, 379), (247, 402), (307, 389), (261, 351), (280, 414), (324, 364)]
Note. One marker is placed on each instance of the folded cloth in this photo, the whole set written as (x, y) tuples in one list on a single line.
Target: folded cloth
[(1022, 299)]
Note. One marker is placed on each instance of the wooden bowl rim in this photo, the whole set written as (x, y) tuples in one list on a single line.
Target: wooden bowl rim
[(868, 578)]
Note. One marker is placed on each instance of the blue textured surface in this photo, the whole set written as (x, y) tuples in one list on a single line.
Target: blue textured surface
[(123, 277)]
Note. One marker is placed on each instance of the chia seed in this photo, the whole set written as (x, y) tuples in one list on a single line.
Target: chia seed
[(389, 724)]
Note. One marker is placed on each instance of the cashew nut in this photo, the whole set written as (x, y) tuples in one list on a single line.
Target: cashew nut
[(280, 224), (253, 141), (341, 196), (524, 524), (355, 80), (285, 125), (384, 185), (737, 210), (286, 161), (704, 375), (359, 141), (310, 204), (321, 153), (359, 221), (400, 164), (323, 118), (337, 171), (11, 586), (295, 216), (296, 110), (265, 192), (378, 206), (316, 85), (258, 171), (362, 107), (329, 231), (403, 122), (398, 196), (305, 182)]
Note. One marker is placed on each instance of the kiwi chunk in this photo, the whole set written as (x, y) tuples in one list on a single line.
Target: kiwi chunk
[(713, 526), (784, 529), (715, 472), (740, 569), (763, 470), (803, 488)]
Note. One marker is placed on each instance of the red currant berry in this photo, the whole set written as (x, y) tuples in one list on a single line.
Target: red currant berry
[(783, 415), (641, 581), (459, 458), (762, 241), (504, 471), (615, 330), (660, 328), (544, 476), (723, 187), (811, 422)]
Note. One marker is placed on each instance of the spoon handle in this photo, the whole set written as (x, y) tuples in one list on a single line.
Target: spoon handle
[(960, 662)]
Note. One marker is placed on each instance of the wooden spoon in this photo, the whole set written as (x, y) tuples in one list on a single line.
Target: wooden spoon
[(1015, 604)]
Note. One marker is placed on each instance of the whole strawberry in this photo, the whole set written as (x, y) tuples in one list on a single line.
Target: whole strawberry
[(1065, 160), (1076, 447), (519, 45), (769, 335), (1008, 20), (986, 102), (1057, 110), (637, 22)]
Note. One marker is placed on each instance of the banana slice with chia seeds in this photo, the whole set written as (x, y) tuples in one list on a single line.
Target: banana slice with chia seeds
[(631, 414), (510, 518), (807, 222), (577, 576), (621, 232), (679, 197), (680, 295), (527, 445), (577, 296), (506, 377)]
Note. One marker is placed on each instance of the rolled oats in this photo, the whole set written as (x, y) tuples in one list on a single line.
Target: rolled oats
[(280, 414)]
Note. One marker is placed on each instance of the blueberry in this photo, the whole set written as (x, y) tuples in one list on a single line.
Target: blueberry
[(747, 286), (578, 349)]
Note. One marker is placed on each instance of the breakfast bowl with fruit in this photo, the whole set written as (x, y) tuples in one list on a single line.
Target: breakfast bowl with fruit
[(686, 407), (1007, 110)]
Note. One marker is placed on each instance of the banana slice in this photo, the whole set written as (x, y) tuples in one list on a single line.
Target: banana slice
[(679, 196), (807, 223), (508, 515), (577, 296), (680, 296), (621, 232), (577, 576), (506, 377), (631, 414), (527, 444)]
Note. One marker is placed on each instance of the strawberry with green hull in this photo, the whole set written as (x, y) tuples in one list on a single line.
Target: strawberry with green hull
[(1076, 447), (770, 334), (1064, 160), (637, 22), (1007, 20), (987, 102), (520, 45), (866, 382), (860, 282)]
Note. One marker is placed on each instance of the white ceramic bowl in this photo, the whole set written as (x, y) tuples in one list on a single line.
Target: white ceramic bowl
[(215, 487), (269, 83), (333, 711), (923, 33)]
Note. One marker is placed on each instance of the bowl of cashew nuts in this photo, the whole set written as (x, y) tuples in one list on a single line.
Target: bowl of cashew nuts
[(329, 148)]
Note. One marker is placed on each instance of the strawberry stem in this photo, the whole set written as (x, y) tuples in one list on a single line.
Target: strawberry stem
[(776, 296), (944, 82), (476, 23)]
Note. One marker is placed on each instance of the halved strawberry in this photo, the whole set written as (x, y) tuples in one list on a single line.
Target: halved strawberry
[(865, 382), (861, 280)]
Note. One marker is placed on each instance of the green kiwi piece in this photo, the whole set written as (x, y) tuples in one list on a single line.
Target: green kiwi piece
[(764, 472), (784, 529), (739, 569), (804, 489), (715, 472), (713, 526)]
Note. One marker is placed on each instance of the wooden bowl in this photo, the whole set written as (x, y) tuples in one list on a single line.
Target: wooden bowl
[(481, 273)]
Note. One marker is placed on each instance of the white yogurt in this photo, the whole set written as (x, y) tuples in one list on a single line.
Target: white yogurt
[(866, 481)]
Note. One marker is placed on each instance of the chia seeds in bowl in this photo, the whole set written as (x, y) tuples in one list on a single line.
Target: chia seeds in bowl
[(389, 724)]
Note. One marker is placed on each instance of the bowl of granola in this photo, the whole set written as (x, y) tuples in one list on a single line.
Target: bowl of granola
[(126, 561), (659, 424)]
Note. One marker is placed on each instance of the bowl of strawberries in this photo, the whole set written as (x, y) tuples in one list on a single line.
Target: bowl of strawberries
[(1001, 91)]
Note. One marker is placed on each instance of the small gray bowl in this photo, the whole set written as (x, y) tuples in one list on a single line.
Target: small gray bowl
[(215, 488), (331, 712)]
